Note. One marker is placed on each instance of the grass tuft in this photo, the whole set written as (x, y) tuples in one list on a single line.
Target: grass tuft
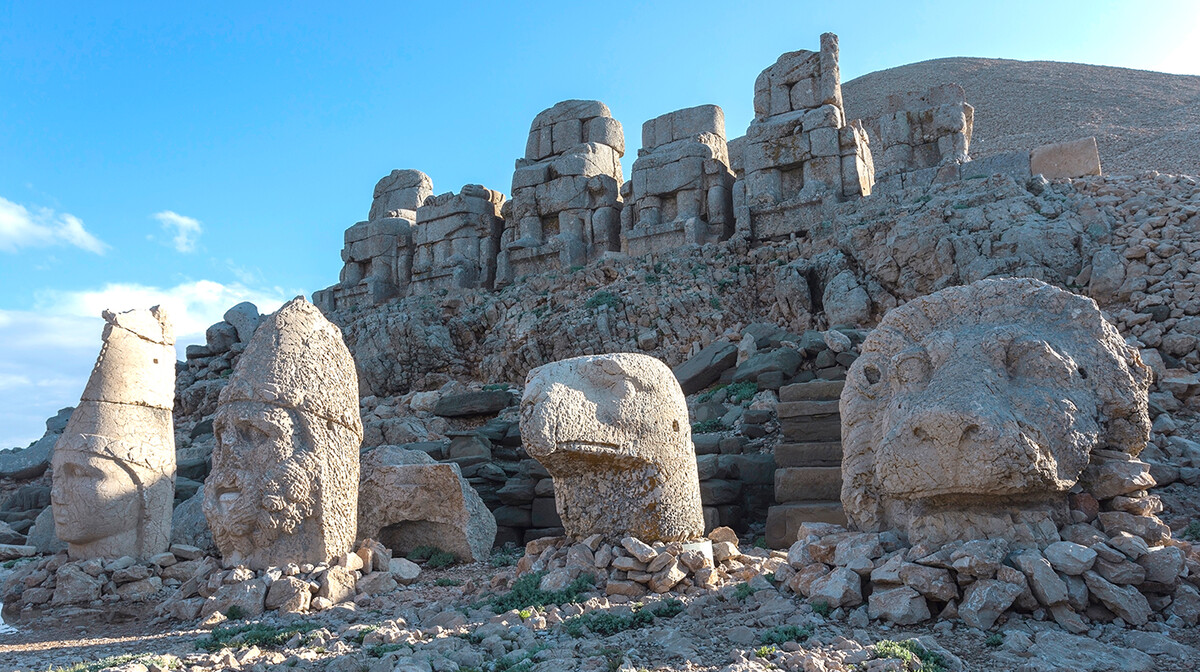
[(252, 634), (526, 593), (916, 658), (782, 634)]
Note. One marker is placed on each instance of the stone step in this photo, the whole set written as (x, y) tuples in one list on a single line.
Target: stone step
[(812, 390), (807, 429), (795, 409), (784, 520), (809, 454), (808, 484)]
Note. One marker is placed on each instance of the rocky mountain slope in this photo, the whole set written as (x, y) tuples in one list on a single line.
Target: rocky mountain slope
[(1142, 120)]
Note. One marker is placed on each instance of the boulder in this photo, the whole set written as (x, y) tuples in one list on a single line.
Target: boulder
[(901, 605), (705, 367), (481, 402), (985, 600), (42, 535), (406, 500)]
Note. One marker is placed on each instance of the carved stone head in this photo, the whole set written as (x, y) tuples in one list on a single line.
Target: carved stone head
[(972, 411), (613, 432), (284, 482), (114, 466)]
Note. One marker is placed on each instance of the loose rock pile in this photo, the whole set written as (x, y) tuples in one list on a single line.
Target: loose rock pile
[(1102, 571)]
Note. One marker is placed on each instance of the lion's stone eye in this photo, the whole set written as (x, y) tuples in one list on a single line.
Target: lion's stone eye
[(912, 367), (872, 373)]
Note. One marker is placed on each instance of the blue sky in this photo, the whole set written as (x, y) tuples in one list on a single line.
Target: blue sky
[(210, 153)]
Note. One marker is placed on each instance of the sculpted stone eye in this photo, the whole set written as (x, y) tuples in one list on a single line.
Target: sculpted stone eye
[(912, 368), (872, 373)]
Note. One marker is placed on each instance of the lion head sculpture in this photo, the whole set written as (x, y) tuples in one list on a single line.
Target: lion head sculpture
[(972, 411)]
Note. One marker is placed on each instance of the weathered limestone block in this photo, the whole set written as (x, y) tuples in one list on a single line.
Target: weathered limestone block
[(456, 240), (972, 411), (406, 499), (114, 465), (613, 432), (284, 481), (399, 194), (681, 185), (566, 201), (923, 129), (378, 253), (1062, 160), (799, 155)]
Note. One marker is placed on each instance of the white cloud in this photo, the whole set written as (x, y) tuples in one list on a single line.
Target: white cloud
[(43, 227), (186, 229), (49, 351)]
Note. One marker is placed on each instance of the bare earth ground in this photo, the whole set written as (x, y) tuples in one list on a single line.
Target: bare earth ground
[(1141, 119)]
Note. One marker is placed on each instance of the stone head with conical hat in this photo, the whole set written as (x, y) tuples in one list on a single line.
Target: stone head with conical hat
[(114, 466), (284, 482)]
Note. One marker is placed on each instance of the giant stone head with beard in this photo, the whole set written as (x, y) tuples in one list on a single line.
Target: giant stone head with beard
[(284, 482), (974, 410)]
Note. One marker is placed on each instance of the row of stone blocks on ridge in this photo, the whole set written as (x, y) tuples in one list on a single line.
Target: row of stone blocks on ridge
[(808, 481)]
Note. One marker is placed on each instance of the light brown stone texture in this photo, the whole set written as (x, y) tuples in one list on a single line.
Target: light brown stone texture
[(613, 432), (456, 240), (406, 500), (566, 204), (114, 466), (680, 187), (1062, 160), (972, 411), (284, 481), (378, 253)]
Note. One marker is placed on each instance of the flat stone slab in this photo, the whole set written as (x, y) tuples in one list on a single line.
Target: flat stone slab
[(808, 484), (807, 428), (809, 454), (784, 520), (482, 402), (813, 390)]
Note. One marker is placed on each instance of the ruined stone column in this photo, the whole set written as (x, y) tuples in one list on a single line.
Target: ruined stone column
[(613, 432), (284, 481), (114, 466)]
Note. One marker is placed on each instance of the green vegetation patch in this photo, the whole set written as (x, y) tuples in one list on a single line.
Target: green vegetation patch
[(781, 634), (606, 623), (113, 661), (822, 609), (506, 557), (603, 299), (1192, 531), (916, 657), (432, 556), (253, 634), (526, 593), (765, 651), (708, 426), (735, 393)]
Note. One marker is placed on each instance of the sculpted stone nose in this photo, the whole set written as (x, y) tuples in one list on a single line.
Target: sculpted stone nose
[(948, 427)]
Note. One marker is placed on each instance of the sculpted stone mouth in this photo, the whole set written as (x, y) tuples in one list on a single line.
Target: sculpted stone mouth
[(587, 447)]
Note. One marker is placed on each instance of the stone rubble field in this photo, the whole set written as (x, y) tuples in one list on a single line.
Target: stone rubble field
[(738, 413)]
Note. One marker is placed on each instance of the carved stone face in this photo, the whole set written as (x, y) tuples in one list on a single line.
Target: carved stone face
[(991, 410), (972, 411), (613, 431), (85, 484), (263, 480)]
